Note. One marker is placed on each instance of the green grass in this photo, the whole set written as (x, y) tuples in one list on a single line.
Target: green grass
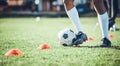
[(26, 34)]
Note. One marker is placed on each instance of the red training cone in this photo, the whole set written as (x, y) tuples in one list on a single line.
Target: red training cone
[(14, 52), (111, 36), (44, 46), (90, 38)]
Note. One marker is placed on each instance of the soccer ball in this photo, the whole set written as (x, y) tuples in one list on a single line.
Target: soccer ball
[(66, 37)]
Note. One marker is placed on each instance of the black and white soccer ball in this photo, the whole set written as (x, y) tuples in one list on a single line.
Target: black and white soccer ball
[(66, 37)]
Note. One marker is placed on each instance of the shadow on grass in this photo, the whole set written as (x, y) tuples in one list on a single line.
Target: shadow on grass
[(112, 47)]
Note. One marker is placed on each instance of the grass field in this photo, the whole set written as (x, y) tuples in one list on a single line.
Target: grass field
[(26, 34)]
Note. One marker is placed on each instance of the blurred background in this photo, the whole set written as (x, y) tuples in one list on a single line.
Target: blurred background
[(52, 8)]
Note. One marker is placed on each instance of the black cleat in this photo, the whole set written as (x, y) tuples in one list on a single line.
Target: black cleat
[(81, 37), (105, 43)]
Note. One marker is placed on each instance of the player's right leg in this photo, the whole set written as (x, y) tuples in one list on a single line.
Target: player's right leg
[(74, 17)]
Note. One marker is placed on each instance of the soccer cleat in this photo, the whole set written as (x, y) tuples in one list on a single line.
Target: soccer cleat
[(80, 38), (114, 28), (105, 43)]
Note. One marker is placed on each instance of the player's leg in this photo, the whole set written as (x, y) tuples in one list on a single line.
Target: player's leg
[(103, 20), (72, 14), (74, 17), (113, 10)]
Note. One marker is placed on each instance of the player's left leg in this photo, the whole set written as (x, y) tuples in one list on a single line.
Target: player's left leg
[(103, 20)]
